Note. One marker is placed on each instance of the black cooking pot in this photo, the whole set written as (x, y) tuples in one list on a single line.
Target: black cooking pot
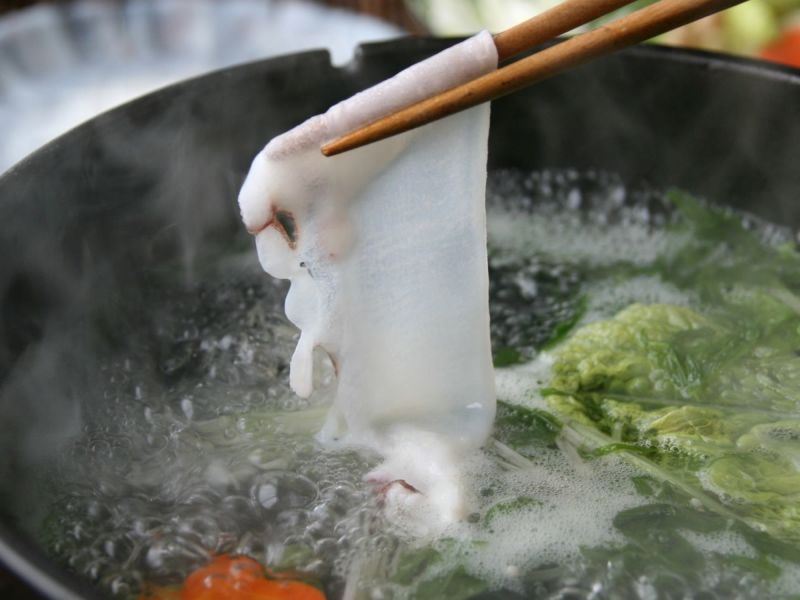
[(88, 222)]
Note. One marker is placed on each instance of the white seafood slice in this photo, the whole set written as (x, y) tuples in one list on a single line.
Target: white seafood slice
[(385, 248)]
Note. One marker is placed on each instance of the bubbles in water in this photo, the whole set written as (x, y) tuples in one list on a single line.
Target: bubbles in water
[(198, 447)]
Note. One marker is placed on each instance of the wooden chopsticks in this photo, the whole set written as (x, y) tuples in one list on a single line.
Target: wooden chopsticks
[(551, 23), (639, 26)]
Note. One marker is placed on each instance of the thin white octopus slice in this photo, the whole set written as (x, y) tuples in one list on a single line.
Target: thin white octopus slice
[(385, 248)]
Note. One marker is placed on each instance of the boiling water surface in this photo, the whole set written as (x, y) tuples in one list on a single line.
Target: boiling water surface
[(201, 449)]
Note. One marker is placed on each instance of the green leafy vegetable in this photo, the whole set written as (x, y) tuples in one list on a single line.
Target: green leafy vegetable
[(520, 426), (505, 357), (435, 571), (454, 585), (510, 506), (711, 396), (413, 563), (651, 378)]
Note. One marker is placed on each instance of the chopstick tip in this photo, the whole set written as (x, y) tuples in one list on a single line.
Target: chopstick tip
[(331, 148)]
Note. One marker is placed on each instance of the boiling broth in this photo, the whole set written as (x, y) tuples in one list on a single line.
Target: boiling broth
[(204, 450)]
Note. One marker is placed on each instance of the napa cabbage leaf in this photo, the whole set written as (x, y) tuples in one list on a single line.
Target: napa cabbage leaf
[(708, 399), (710, 394)]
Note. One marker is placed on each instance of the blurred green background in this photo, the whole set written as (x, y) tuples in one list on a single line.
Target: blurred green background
[(762, 28)]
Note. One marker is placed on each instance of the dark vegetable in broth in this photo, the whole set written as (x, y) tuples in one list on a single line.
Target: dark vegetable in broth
[(646, 442)]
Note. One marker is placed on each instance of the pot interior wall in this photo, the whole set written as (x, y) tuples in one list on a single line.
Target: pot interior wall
[(95, 221)]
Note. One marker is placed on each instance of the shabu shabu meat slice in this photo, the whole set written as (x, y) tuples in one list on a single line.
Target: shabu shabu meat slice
[(385, 248)]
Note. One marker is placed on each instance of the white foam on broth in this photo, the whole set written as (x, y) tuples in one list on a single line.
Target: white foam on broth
[(572, 506)]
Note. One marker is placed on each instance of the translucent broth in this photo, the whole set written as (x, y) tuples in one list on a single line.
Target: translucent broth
[(201, 448)]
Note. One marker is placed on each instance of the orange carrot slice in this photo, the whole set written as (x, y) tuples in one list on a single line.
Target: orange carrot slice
[(786, 49), (234, 578)]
